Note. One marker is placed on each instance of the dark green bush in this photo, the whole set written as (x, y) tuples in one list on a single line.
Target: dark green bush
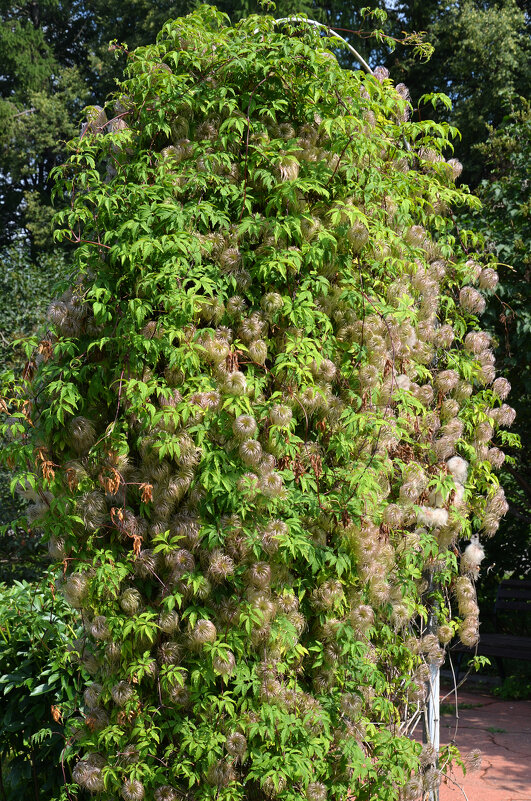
[(26, 289), (262, 422), (37, 689)]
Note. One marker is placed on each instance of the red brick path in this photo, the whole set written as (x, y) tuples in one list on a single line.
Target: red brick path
[(502, 730)]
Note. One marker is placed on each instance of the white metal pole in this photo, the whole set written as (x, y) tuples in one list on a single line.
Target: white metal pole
[(331, 33), (433, 715)]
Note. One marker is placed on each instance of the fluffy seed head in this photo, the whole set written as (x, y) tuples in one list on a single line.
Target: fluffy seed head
[(203, 632), (432, 517), (444, 447), (449, 409), (497, 504), (503, 416), (169, 622), (326, 371), (469, 633), (146, 563), (267, 464), (220, 566), (57, 313), (471, 300), (477, 341), (131, 601), (416, 235), (484, 432), (424, 394), (92, 695), (248, 484), (458, 467), (473, 270), (236, 744), (99, 628), (280, 415), (75, 589), (271, 303), (369, 376), (235, 306), (216, 350), (464, 588), (413, 789), (170, 653), (250, 452), (316, 792), (82, 434), (496, 457), (276, 529), (181, 561), (57, 548), (230, 259), (113, 653), (132, 790), (88, 776), (220, 774), (501, 388), (488, 279), (463, 391), (415, 481), (445, 336), (93, 510), (165, 793), (122, 693), (393, 515), (259, 575), (381, 74), (235, 383), (445, 633), (251, 328), (271, 485), (472, 557), (456, 168), (446, 381), (357, 236), (258, 351), (180, 696), (224, 663), (288, 168)]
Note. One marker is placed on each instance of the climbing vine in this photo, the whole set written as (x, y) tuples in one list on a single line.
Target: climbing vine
[(261, 421)]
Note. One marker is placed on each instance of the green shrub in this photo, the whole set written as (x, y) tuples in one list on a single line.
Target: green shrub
[(26, 289), (37, 689), (262, 422)]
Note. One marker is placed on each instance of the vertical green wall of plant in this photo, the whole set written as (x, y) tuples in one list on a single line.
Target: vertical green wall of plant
[(262, 419)]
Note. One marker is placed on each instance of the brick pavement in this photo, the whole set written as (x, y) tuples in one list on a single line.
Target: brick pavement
[(502, 730)]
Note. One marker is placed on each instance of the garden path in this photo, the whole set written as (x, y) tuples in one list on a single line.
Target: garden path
[(502, 731)]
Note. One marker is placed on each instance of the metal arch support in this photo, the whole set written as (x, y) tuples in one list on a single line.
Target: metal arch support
[(333, 33)]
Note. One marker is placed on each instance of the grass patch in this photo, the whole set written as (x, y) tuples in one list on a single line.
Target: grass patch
[(449, 709)]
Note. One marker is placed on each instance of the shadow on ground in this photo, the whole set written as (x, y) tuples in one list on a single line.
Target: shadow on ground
[(502, 731)]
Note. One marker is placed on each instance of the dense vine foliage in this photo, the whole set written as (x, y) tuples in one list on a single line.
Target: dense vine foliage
[(261, 422)]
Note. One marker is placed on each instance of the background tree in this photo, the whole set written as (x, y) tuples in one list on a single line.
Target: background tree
[(481, 60), (505, 221), (43, 89)]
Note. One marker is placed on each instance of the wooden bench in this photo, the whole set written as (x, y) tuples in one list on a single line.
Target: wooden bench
[(513, 597)]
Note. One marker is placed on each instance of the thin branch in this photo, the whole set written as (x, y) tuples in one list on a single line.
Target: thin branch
[(22, 113)]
